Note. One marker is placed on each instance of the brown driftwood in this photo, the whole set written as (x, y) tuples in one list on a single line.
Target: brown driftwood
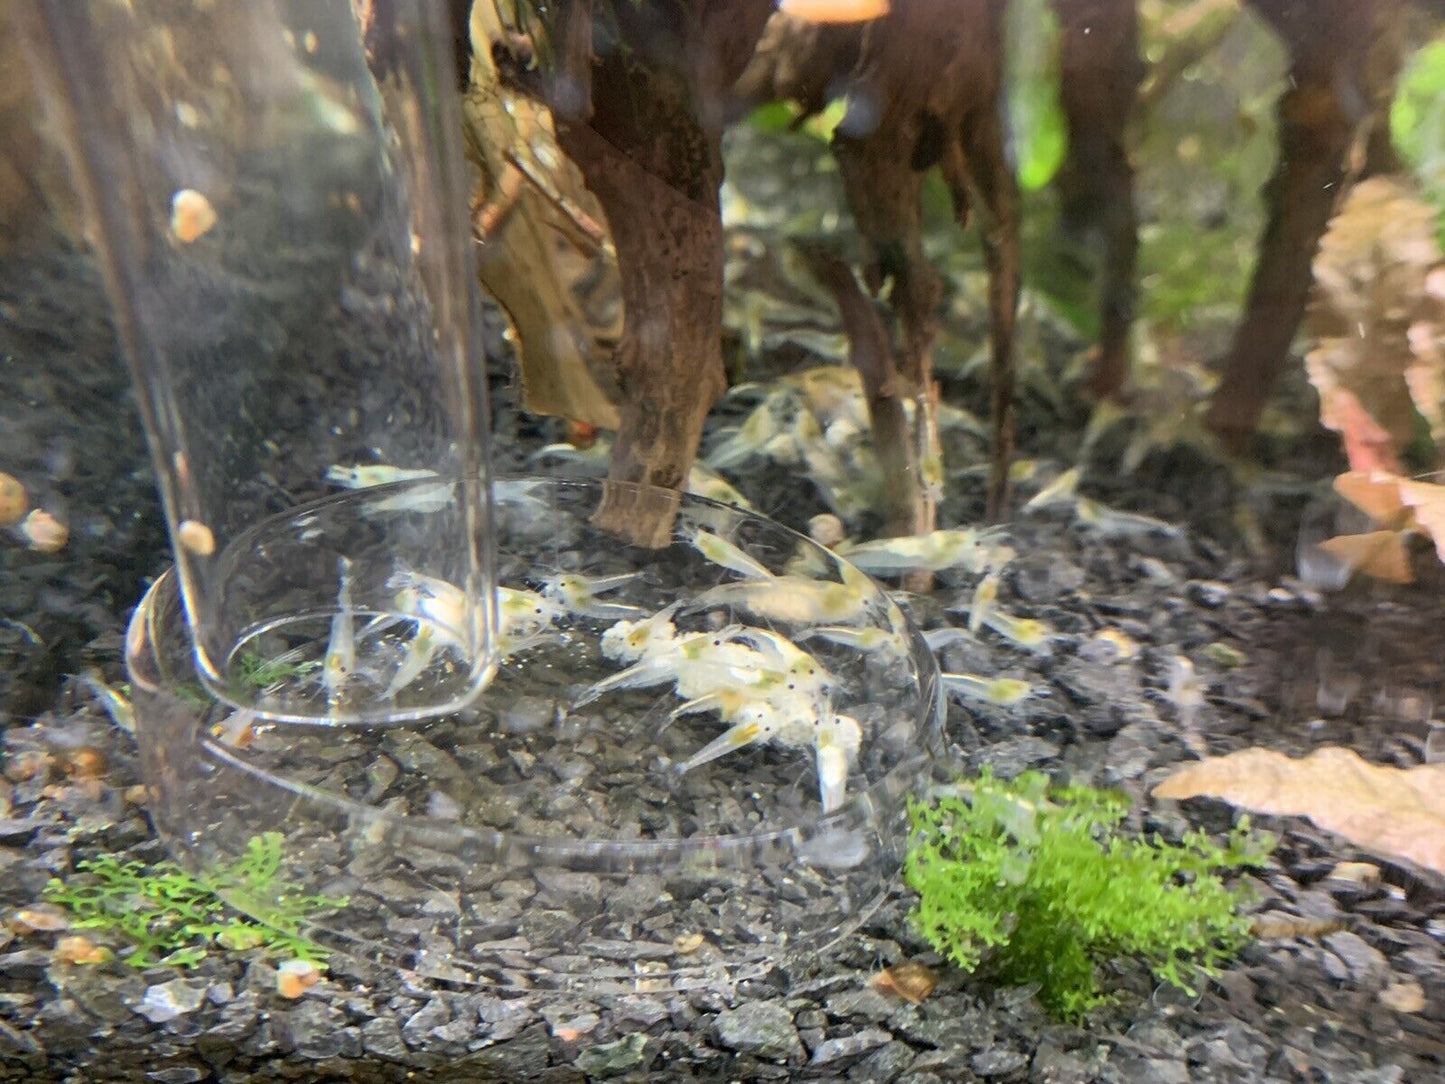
[(1099, 76), (924, 85), (1344, 58), (537, 237), (642, 119), (872, 355)]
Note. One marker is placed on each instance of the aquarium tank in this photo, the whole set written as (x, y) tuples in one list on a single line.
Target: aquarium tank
[(722, 539)]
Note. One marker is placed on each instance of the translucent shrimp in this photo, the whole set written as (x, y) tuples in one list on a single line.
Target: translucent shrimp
[(365, 476), (628, 641), (422, 499), (1111, 523), (439, 611), (798, 670), (340, 661), (1026, 632), (420, 650), (1061, 490), (870, 640), (932, 552), (698, 663), (985, 598), (116, 706), (983, 612), (703, 481), (761, 427), (1186, 690), (237, 730), (578, 595), (835, 747), (725, 554), (795, 599), (938, 639), (1003, 692), (521, 613), (755, 722)]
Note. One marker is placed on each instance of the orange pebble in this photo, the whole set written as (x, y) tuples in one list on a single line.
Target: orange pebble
[(46, 533), (295, 977), (85, 763), (80, 950), (38, 920), (14, 502), (192, 215)]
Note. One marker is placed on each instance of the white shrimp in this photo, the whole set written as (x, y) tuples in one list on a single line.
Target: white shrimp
[(1061, 490), (870, 640), (366, 476), (754, 722), (1004, 692), (985, 598), (703, 481), (835, 748), (237, 730), (932, 552), (938, 639), (797, 599), (725, 554), (698, 663), (1111, 523), (578, 594)]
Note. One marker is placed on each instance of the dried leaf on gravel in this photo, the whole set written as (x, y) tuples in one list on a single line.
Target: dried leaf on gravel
[(1393, 811), (1381, 554), (1375, 493), (1398, 505), (909, 980), (1427, 502)]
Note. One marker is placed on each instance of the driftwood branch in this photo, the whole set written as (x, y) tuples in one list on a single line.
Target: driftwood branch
[(871, 353)]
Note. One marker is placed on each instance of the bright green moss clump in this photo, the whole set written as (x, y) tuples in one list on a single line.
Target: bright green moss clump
[(173, 918), (1030, 883)]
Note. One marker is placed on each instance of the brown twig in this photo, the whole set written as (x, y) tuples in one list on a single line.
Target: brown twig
[(872, 355)]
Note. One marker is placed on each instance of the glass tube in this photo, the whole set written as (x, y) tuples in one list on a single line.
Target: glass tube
[(276, 193)]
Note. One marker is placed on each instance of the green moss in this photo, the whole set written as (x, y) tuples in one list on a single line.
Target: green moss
[(262, 673), (1028, 883), (173, 917)]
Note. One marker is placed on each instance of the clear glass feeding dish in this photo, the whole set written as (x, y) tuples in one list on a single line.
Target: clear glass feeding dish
[(690, 765)]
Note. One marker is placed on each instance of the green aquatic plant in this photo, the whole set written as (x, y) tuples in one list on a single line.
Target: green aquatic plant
[(174, 917), (1025, 882), (261, 672)]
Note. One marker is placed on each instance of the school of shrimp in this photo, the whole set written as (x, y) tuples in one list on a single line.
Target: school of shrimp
[(762, 686)]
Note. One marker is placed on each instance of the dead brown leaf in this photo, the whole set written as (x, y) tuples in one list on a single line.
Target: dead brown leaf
[(1278, 924), (1374, 492), (1427, 501), (910, 980), (1377, 359), (1381, 554), (1392, 811)]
